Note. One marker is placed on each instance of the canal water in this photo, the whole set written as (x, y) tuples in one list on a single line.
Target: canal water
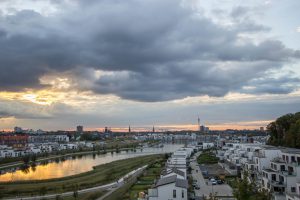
[(79, 164)]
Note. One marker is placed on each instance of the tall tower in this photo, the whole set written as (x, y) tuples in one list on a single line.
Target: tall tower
[(199, 125), (153, 129), (129, 129)]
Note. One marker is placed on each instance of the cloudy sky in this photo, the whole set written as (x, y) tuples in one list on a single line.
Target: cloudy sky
[(148, 62)]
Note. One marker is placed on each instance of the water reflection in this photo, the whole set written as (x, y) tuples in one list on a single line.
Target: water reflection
[(72, 165)]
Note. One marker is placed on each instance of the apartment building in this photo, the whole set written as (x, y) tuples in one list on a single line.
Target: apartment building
[(275, 169)]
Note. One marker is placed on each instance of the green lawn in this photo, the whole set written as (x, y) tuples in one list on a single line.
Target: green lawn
[(101, 174), (145, 182), (207, 157), (85, 196)]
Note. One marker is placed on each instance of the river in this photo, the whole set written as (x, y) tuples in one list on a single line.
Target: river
[(79, 164)]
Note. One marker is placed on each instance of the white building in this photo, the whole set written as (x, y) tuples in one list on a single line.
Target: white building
[(169, 188)]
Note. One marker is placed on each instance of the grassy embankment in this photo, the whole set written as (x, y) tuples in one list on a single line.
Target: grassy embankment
[(145, 181), (85, 196), (207, 157), (131, 189), (101, 175)]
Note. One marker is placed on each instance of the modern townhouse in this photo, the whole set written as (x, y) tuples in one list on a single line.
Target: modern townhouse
[(173, 182)]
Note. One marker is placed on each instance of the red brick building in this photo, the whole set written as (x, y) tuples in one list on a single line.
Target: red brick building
[(16, 141)]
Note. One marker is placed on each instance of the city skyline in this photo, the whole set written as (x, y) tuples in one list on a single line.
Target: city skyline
[(115, 63)]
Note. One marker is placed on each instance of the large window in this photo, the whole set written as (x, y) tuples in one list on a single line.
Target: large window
[(174, 193), (273, 177), (182, 193)]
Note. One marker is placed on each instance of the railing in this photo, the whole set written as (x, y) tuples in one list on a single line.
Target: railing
[(278, 183), (287, 173), (295, 164), (260, 155)]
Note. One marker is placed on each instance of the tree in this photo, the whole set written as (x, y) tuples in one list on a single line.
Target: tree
[(244, 189), (26, 159), (284, 131), (263, 195), (33, 157), (43, 190)]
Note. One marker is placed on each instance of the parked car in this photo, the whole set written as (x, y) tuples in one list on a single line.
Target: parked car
[(197, 187), (214, 182), (220, 182)]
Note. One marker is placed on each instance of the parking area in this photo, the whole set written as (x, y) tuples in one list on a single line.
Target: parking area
[(205, 186)]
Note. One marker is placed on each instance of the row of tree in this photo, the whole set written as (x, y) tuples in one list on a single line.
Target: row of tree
[(285, 131)]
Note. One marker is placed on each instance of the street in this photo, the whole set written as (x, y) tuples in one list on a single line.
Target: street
[(205, 185)]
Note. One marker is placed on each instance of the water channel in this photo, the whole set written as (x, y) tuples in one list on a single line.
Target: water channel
[(79, 164)]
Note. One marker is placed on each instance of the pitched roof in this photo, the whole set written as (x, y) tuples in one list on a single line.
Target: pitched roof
[(166, 180), (182, 183), (172, 179), (175, 170)]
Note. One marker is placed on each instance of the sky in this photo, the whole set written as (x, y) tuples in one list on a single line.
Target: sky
[(116, 63)]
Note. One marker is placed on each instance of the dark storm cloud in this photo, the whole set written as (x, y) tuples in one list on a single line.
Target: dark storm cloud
[(157, 50)]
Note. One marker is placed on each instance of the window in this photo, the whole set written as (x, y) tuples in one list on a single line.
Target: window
[(293, 189), (174, 193), (182, 193), (273, 177)]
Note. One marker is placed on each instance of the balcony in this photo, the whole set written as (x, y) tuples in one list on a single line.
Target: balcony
[(259, 155), (294, 164), (277, 184), (287, 173)]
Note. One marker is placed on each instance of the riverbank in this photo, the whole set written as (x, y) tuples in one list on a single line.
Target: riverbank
[(100, 175), (108, 147), (81, 153)]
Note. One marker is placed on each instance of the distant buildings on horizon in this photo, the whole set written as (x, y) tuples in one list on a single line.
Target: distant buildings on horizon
[(80, 129)]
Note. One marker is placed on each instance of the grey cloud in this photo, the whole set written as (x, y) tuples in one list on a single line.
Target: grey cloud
[(239, 11), (166, 50), (281, 85), (27, 110)]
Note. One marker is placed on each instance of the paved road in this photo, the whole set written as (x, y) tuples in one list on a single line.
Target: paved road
[(205, 186), (112, 186)]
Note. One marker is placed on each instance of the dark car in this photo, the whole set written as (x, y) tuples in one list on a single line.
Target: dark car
[(220, 182)]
